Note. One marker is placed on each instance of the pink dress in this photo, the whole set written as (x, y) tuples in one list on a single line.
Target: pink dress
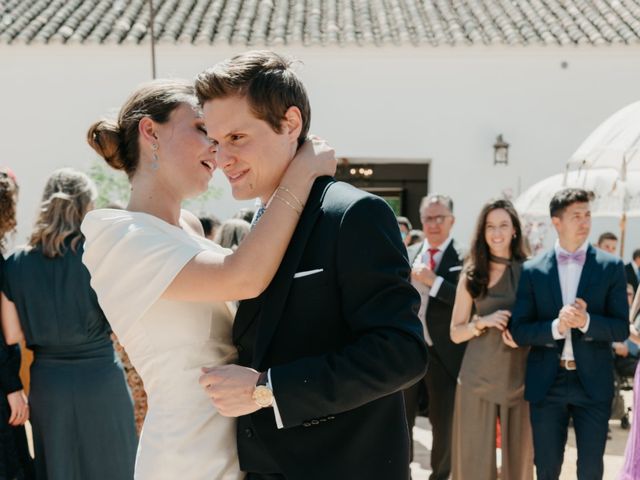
[(631, 469)]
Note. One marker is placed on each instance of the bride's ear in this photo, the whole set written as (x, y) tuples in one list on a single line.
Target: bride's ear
[(147, 130)]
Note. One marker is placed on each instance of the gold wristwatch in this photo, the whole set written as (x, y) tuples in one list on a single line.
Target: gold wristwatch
[(262, 393)]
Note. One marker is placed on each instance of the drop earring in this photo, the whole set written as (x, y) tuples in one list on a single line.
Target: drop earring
[(155, 164)]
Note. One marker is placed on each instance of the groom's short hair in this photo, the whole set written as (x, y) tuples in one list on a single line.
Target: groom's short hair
[(562, 199), (267, 81)]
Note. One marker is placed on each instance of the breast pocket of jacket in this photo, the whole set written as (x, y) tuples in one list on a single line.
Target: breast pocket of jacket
[(309, 288)]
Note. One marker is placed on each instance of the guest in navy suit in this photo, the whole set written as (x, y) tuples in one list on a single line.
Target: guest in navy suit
[(571, 304)]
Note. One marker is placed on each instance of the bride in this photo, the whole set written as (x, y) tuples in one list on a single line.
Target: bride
[(165, 289)]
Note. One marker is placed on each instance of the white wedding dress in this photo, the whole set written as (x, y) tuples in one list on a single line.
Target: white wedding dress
[(132, 258)]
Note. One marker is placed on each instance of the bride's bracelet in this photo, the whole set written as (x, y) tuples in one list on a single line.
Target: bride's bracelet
[(292, 195), (284, 200)]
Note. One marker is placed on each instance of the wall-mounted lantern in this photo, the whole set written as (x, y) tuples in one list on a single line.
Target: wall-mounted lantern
[(500, 152)]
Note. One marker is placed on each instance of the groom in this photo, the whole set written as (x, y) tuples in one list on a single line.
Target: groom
[(570, 306), (326, 350)]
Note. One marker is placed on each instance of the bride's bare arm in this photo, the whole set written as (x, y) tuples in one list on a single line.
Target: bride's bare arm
[(248, 271)]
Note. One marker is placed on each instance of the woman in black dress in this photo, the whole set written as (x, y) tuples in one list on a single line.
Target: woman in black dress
[(81, 409), (15, 461)]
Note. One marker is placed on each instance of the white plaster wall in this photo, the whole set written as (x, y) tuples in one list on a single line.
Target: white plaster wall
[(443, 104)]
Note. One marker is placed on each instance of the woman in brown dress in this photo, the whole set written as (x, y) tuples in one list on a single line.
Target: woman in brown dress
[(491, 380)]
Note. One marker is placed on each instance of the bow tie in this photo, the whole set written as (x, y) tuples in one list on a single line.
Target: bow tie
[(578, 257)]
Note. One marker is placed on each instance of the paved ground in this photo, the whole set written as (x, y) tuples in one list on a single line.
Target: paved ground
[(613, 459)]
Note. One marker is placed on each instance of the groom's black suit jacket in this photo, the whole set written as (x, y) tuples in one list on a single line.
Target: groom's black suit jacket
[(341, 345)]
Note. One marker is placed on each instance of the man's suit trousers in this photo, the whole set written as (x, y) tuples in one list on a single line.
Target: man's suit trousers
[(441, 389), (550, 419)]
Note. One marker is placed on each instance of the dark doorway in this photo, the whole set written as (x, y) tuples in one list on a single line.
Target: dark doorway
[(402, 185)]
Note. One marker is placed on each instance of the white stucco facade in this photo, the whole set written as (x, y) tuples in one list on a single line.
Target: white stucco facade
[(443, 104)]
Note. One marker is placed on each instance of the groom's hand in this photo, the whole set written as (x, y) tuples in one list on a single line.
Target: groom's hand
[(231, 388)]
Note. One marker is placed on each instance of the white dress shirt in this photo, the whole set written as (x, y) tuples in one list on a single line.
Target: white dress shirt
[(276, 412), (424, 290), (569, 275)]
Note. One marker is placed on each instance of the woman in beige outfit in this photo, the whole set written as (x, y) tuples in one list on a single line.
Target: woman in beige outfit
[(491, 380)]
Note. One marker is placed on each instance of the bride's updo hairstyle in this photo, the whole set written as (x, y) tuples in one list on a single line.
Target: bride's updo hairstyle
[(117, 140)]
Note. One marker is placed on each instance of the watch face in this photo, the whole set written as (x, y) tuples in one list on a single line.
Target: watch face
[(263, 396)]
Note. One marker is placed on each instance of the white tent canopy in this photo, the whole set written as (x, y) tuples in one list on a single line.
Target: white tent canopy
[(614, 144), (613, 196), (607, 163)]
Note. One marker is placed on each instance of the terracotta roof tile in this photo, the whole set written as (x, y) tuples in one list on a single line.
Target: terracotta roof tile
[(272, 23)]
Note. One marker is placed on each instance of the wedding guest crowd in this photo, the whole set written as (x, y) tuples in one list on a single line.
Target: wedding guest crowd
[(232, 232), (632, 269), (81, 410), (517, 348), (15, 461), (608, 242), (413, 237), (210, 225), (404, 224), (627, 352), (538, 338), (245, 214)]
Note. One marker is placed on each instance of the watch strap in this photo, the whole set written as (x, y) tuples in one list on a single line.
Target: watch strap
[(263, 379)]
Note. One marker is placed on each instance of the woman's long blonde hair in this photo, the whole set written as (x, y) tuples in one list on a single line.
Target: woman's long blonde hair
[(68, 196)]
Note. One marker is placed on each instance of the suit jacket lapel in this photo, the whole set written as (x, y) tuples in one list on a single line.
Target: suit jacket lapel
[(554, 279), (587, 269), (276, 295), (554, 284), (449, 258)]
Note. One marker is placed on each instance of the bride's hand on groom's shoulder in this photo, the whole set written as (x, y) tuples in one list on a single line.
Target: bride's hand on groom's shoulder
[(230, 388), (316, 155)]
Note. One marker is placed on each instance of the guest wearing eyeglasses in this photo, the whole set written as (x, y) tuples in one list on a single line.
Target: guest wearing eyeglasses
[(436, 265)]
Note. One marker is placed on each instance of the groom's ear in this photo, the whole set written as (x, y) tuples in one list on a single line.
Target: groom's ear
[(292, 123)]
